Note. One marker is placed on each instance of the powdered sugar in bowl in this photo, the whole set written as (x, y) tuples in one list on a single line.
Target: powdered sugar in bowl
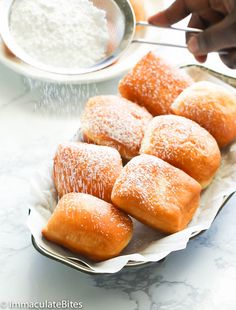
[(72, 37), (127, 60)]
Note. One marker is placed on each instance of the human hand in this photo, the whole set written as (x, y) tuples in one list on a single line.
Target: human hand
[(217, 18)]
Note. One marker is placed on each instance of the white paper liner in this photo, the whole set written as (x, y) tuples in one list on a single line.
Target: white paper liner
[(147, 244)]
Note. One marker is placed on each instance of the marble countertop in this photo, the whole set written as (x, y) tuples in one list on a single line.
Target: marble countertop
[(34, 117)]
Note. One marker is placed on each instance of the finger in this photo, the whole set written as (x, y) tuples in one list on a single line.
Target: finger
[(177, 11), (224, 7), (230, 58), (214, 38), (201, 58), (202, 20), (218, 5), (210, 17), (196, 22)]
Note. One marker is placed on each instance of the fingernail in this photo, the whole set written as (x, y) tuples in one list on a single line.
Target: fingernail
[(193, 45), (201, 58)]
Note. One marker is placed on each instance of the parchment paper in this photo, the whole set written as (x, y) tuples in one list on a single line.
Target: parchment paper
[(147, 244)]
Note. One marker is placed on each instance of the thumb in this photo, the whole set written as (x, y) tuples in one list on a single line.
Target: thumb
[(217, 37)]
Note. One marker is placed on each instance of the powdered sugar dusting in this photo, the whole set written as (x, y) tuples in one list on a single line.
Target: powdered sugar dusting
[(89, 226), (94, 214), (154, 84), (59, 99), (212, 106), (152, 185), (136, 180), (115, 121), (86, 168), (184, 144)]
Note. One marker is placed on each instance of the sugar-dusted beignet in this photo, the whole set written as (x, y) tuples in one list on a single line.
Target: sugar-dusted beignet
[(139, 9), (154, 84), (212, 106), (86, 168), (185, 145), (156, 193), (116, 122), (89, 226)]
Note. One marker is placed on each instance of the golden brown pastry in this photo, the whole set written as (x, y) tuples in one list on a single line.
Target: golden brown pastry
[(154, 84), (89, 226), (8, 52), (139, 9), (115, 122), (86, 168), (156, 193), (185, 145), (212, 106)]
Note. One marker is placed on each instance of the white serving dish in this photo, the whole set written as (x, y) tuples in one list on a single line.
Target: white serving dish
[(147, 245)]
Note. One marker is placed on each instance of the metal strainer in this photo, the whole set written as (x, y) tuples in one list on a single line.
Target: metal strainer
[(121, 26)]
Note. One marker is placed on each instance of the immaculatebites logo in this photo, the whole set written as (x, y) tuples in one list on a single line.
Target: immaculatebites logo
[(46, 304)]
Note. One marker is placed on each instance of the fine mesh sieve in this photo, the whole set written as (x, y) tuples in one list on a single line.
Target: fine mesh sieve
[(121, 26)]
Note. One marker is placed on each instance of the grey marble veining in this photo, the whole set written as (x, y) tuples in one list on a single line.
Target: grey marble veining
[(177, 283)]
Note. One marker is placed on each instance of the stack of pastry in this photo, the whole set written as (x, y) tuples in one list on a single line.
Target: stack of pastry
[(84, 220), (171, 159)]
